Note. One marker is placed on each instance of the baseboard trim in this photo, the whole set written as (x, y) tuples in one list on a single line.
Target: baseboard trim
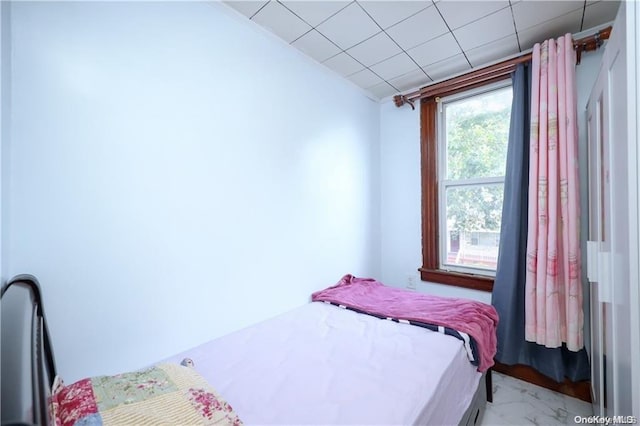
[(580, 390)]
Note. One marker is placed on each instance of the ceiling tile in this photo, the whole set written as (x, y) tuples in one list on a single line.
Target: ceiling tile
[(376, 49), (599, 13), (435, 50), (247, 8), (316, 45), (365, 78), (569, 23), (530, 13), (387, 13), (421, 27), (410, 80), (493, 27), (280, 21), (315, 12), (447, 68), (459, 13), (382, 90), (394, 66), (343, 64), (493, 51), (349, 27)]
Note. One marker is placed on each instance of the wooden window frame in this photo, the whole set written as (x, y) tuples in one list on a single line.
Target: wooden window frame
[(430, 270)]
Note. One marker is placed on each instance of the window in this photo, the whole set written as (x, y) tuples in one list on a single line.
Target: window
[(473, 131), (464, 150)]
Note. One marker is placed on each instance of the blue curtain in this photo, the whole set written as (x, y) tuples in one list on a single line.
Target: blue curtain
[(508, 289)]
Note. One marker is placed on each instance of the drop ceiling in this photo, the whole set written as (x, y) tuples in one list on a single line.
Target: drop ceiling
[(386, 47)]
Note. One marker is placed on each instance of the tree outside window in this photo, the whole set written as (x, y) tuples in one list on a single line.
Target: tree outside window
[(473, 144)]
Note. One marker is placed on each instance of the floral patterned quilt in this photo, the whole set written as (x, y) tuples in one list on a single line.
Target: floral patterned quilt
[(164, 394)]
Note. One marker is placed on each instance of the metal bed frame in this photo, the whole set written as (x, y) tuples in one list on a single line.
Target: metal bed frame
[(28, 366)]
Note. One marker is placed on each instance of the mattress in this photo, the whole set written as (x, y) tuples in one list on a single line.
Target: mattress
[(320, 364)]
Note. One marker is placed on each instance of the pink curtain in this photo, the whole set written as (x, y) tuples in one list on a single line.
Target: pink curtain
[(553, 300)]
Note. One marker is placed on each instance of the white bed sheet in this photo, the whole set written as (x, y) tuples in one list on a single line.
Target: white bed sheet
[(320, 364)]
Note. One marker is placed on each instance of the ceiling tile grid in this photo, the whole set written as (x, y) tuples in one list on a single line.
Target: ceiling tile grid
[(375, 49), (598, 13), (492, 27), (365, 78), (493, 51), (344, 64), (315, 12), (527, 14), (279, 20), (435, 50), (388, 46), (383, 90), (349, 27), (247, 8), (457, 16), (394, 66), (410, 80), (447, 67), (317, 46), (419, 28), (387, 13), (568, 23)]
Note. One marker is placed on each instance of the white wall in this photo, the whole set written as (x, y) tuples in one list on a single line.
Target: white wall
[(586, 75), (635, 290), (401, 251), (5, 100), (400, 188), (177, 173)]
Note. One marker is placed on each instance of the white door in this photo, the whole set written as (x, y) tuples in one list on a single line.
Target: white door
[(613, 225), (596, 247)]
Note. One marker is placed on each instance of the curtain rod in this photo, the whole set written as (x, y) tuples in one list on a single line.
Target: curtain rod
[(496, 71)]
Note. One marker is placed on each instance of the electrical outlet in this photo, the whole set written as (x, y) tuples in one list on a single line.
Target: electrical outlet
[(411, 282)]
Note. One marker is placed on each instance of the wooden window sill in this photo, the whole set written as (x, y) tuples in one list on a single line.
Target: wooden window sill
[(458, 279)]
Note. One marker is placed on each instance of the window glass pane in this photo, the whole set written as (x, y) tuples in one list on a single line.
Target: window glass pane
[(473, 225), (477, 131)]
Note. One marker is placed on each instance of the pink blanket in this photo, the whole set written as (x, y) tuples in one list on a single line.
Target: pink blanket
[(477, 319)]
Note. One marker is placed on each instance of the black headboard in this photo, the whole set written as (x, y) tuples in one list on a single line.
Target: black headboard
[(28, 367)]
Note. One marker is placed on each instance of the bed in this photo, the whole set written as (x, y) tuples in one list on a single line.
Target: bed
[(322, 363)]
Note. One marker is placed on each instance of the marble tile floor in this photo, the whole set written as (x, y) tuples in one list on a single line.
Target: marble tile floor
[(516, 402)]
